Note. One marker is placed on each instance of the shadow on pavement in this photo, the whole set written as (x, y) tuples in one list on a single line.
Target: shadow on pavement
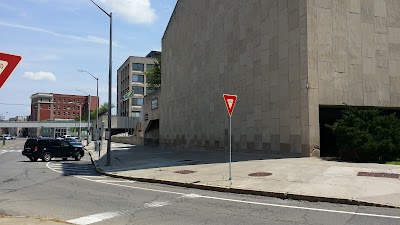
[(144, 157)]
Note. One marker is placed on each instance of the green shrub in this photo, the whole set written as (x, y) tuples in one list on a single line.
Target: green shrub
[(366, 135)]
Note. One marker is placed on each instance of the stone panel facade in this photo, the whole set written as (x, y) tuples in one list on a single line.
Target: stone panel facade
[(284, 59)]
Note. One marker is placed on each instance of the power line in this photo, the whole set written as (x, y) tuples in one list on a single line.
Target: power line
[(2, 103)]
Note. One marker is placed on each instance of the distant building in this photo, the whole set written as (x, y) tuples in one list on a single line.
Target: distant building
[(130, 78), (19, 132), (52, 106)]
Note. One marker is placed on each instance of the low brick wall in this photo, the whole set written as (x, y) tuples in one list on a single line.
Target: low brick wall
[(127, 140)]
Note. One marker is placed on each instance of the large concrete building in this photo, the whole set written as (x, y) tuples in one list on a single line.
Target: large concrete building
[(285, 59)]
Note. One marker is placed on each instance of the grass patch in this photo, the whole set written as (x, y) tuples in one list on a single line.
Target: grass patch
[(397, 162)]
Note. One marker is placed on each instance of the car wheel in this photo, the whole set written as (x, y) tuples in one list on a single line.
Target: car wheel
[(78, 156), (47, 157), (64, 159), (33, 159)]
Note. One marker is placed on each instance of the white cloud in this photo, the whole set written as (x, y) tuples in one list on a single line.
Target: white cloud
[(40, 76), (133, 11), (91, 39)]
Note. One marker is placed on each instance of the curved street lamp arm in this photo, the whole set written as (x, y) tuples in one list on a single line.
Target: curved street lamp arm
[(109, 15)]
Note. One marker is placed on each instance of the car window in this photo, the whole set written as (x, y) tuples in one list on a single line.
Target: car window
[(55, 143), (31, 143), (44, 143), (64, 144)]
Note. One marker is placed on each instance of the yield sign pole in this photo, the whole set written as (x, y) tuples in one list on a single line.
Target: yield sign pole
[(230, 101), (7, 65)]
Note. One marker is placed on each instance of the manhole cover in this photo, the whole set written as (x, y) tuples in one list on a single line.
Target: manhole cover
[(185, 171), (384, 175), (260, 174)]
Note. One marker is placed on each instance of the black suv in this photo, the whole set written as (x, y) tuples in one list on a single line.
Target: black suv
[(47, 148)]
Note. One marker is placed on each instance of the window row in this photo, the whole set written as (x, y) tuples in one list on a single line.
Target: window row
[(64, 108), (65, 114), (140, 66), (67, 100)]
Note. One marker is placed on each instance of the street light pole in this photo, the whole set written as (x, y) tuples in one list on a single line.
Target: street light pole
[(88, 122), (97, 104), (80, 119), (109, 87)]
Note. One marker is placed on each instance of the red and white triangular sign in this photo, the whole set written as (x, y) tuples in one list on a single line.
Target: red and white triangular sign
[(7, 65), (230, 101)]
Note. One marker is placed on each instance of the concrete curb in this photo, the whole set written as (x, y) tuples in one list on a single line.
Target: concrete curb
[(280, 195)]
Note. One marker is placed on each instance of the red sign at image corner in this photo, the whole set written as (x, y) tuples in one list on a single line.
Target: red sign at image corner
[(12, 62), (230, 101)]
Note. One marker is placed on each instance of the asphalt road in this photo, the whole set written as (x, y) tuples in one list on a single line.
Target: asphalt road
[(72, 191)]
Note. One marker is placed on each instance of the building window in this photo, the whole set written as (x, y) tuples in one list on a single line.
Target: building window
[(59, 113), (73, 114), (137, 101), (149, 66), (54, 113), (59, 107), (64, 100), (138, 90), (59, 100), (69, 113), (137, 66), (136, 114), (54, 107), (78, 101), (138, 78), (64, 114), (49, 106), (154, 103), (65, 108), (69, 108)]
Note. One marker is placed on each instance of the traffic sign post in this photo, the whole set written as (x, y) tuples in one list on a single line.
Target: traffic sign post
[(7, 65), (230, 101)]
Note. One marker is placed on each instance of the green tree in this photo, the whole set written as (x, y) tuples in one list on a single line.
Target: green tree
[(153, 75), (103, 109), (367, 135)]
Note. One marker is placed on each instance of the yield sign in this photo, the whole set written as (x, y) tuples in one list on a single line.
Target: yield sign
[(230, 101), (7, 65)]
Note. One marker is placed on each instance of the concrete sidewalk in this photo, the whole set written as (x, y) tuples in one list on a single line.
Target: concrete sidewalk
[(310, 179)]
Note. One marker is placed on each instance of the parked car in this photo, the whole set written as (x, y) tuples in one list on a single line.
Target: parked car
[(13, 137), (72, 139), (48, 148), (5, 136)]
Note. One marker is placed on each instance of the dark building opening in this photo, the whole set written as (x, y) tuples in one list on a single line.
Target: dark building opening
[(329, 115), (152, 133)]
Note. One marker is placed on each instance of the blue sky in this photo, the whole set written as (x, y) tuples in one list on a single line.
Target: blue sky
[(58, 37)]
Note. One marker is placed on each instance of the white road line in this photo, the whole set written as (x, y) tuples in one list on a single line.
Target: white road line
[(241, 201), (252, 203), (94, 218)]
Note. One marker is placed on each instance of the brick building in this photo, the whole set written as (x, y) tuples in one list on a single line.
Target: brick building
[(51, 106)]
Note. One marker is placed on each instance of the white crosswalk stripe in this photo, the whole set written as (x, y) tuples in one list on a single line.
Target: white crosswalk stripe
[(72, 168), (8, 150)]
